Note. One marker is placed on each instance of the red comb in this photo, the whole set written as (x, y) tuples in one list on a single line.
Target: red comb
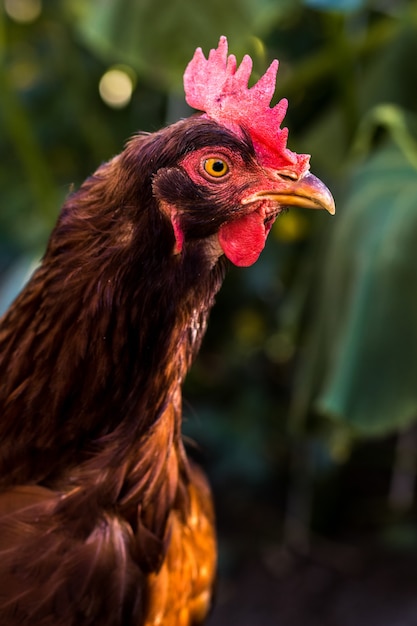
[(219, 88)]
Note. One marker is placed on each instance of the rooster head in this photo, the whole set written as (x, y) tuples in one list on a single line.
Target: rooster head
[(238, 170)]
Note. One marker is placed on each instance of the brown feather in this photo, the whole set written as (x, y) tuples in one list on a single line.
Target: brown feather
[(102, 518)]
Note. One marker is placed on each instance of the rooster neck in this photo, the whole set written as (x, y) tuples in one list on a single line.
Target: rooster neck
[(95, 358), (93, 354)]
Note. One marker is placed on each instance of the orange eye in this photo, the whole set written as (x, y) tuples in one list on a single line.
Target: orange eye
[(216, 167)]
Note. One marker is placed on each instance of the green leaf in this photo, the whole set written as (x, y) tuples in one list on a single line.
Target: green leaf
[(335, 5), (159, 38), (363, 358)]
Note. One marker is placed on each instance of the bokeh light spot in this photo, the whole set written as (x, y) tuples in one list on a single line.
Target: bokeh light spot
[(23, 11), (116, 87)]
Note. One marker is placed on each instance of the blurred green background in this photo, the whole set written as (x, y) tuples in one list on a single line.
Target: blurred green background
[(303, 400)]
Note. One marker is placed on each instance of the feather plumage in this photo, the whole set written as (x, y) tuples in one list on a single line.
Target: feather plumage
[(103, 520)]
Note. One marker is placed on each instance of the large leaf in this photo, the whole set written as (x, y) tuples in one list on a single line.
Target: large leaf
[(335, 5), (159, 38), (363, 366)]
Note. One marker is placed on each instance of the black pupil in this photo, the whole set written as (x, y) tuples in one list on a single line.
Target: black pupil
[(218, 166)]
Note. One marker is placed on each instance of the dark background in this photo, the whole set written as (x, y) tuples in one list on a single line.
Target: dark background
[(303, 401)]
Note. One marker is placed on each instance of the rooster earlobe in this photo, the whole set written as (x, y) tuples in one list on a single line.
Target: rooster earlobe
[(179, 235), (172, 213)]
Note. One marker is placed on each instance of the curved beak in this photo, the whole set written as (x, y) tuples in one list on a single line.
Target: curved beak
[(307, 192)]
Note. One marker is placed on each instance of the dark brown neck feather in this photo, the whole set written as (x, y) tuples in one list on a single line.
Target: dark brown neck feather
[(95, 349)]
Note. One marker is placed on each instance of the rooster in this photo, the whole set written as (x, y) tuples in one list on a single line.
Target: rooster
[(103, 519)]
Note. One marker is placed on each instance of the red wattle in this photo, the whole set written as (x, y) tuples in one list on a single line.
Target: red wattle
[(243, 240)]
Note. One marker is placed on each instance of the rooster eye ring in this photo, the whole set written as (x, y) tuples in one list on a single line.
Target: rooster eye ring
[(215, 167)]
